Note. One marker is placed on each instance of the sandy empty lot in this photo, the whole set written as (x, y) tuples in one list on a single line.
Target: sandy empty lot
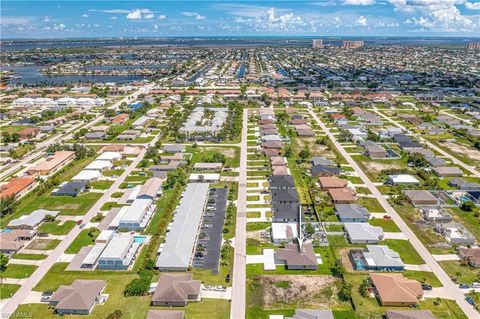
[(464, 150)]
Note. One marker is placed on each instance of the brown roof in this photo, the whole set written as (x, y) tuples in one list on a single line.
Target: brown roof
[(15, 186), (165, 314), (176, 287), (151, 187), (296, 255), (278, 161), (395, 288), (114, 148), (81, 294), (328, 182), (272, 144), (280, 170), (419, 195), (51, 162), (342, 194)]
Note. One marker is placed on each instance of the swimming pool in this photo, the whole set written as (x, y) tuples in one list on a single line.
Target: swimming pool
[(6, 230), (139, 239)]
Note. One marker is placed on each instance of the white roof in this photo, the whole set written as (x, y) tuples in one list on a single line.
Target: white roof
[(86, 175), (116, 220), (404, 179), (94, 253), (279, 230), (206, 176), (99, 165), (105, 235), (136, 211), (109, 156)]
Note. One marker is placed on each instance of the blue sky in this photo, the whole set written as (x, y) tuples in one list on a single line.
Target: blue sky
[(60, 19)]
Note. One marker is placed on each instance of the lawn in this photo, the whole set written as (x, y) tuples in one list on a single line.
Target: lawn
[(43, 244), (407, 252), (215, 308), (30, 256), (463, 274), (427, 277), (371, 204), (55, 229), (7, 290), (18, 271), (257, 226), (109, 205), (388, 225), (101, 184), (85, 238)]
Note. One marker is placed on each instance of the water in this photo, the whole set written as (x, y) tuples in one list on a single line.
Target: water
[(31, 75), (139, 239), (241, 71), (6, 230)]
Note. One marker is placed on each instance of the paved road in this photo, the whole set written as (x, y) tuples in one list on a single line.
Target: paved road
[(237, 309), (432, 146), (451, 287), (9, 307)]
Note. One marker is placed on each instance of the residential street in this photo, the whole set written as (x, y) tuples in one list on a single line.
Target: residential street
[(237, 310), (449, 285)]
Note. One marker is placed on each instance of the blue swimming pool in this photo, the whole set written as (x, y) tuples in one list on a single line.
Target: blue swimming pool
[(6, 230), (139, 239)]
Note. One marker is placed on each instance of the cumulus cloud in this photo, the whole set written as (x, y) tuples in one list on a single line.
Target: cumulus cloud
[(195, 15), (359, 2), (162, 17), (133, 14), (472, 6), (269, 20), (362, 21), (85, 15), (46, 19), (15, 21)]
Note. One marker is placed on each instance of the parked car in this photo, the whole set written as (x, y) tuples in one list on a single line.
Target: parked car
[(82, 226), (426, 287), (464, 286), (475, 284), (469, 300), (227, 278)]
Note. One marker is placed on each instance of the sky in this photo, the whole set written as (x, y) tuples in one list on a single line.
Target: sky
[(77, 19)]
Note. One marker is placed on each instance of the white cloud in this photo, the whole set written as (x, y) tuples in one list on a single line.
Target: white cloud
[(195, 15), (46, 19), (113, 18), (270, 20), (149, 16), (162, 17), (359, 2), (85, 15), (134, 15), (362, 21), (16, 20), (472, 6), (60, 26)]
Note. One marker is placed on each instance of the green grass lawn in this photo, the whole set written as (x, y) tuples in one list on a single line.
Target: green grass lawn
[(408, 254), (18, 271), (85, 238), (215, 308), (30, 256), (463, 274), (8, 290), (113, 172), (371, 204), (110, 205), (257, 226), (427, 277), (388, 225), (55, 229), (101, 184)]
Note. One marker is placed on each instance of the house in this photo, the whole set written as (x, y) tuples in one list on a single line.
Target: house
[(342, 195), (421, 198), (119, 253), (95, 135), (208, 166), (174, 148), (32, 220), (402, 179), (462, 184), (12, 241), (455, 233), (409, 314), (445, 171), (363, 233), (322, 170), (140, 123), (435, 161), (72, 188), (204, 178), (17, 187), (51, 164), (284, 232), (109, 156), (298, 255), (284, 195), (28, 132), (470, 255), (310, 314), (99, 165), (436, 214), (352, 213), (120, 119), (280, 171), (151, 189), (396, 290), (128, 135), (375, 151), (285, 212), (165, 314), (175, 290), (330, 182), (79, 298), (321, 161), (87, 176), (376, 257), (137, 215), (281, 182)]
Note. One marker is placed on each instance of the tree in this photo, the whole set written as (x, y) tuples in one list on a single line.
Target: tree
[(364, 287), (7, 205), (309, 229), (116, 314), (467, 206), (3, 262), (345, 293), (304, 154)]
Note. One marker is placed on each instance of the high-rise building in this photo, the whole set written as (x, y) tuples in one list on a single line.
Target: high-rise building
[(352, 44), (473, 46), (317, 43)]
